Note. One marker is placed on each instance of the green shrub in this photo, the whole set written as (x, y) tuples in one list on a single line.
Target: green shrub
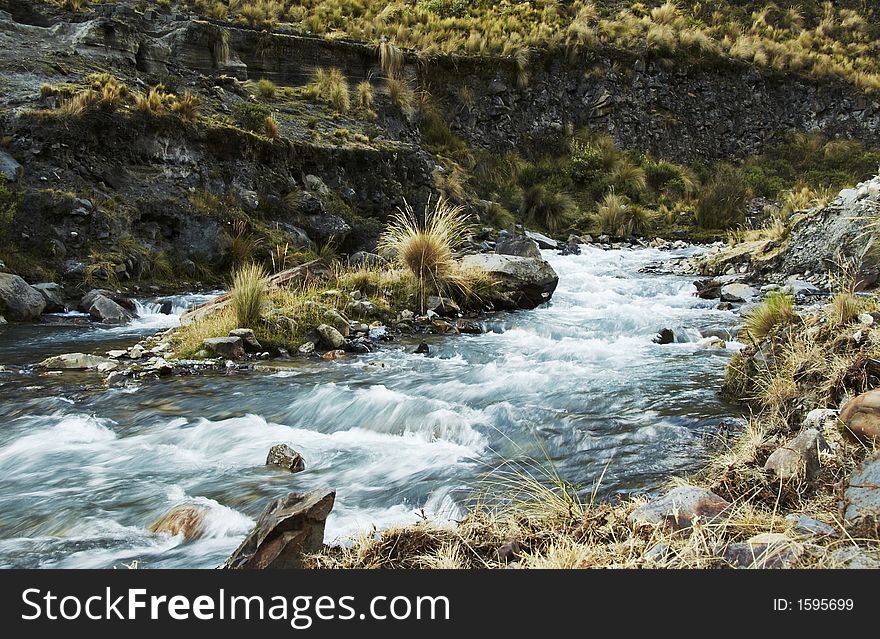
[(723, 199), (251, 115)]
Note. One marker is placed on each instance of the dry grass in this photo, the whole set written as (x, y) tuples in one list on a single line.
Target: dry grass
[(777, 309), (426, 245), (248, 295), (401, 95), (330, 86)]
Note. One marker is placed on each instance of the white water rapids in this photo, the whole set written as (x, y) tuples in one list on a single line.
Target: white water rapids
[(577, 383)]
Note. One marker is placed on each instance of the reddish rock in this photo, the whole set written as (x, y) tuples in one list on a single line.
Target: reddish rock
[(861, 417)]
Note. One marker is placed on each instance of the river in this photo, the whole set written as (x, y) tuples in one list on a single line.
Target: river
[(576, 385)]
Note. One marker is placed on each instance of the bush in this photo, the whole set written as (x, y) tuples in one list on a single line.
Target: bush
[(775, 310), (266, 89), (248, 294), (549, 209), (250, 115), (724, 199)]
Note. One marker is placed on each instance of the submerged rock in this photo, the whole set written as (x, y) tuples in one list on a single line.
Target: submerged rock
[(73, 361), (422, 349), (18, 301), (283, 456), (680, 507), (187, 520), (665, 336), (289, 527)]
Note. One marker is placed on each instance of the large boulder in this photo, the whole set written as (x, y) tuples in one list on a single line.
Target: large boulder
[(798, 458), (862, 497), (526, 282), (249, 341), (289, 528), (520, 245), (106, 307), (18, 301), (51, 293), (228, 347), (860, 417), (679, 508)]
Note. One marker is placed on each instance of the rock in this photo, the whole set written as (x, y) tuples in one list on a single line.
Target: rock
[(861, 501), (443, 306), (103, 309), (422, 349), (51, 293), (73, 361), (525, 282), (799, 457), (860, 417), (136, 352), (337, 354), (724, 306), (442, 327), (657, 553), (248, 340), (106, 367), (469, 326), (508, 551), (853, 557), (866, 319), (809, 527), (362, 259), (187, 520), (818, 418), (545, 242), (116, 354), (10, 169), (306, 348), (519, 245), (738, 293), (338, 321), (289, 528), (330, 336), (665, 336), (800, 288), (226, 347), (713, 341), (680, 507), (284, 456), (767, 550), (18, 301)]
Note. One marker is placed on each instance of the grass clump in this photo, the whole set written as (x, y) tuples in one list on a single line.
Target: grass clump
[(549, 209), (248, 295), (266, 89), (723, 200), (426, 246), (330, 86), (776, 310)]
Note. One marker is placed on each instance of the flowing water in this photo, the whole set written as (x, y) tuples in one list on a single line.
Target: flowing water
[(577, 384)]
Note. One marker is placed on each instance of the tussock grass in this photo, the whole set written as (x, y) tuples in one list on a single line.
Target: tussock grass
[(248, 294), (775, 310), (330, 86), (549, 209), (365, 95), (426, 245)]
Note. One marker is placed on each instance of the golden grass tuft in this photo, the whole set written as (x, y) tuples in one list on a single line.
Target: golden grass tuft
[(776, 310), (330, 86), (248, 294)]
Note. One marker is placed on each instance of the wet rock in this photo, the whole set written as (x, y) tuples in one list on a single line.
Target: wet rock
[(422, 349), (117, 354), (525, 282), (443, 306), (248, 340), (665, 336), (799, 458), (680, 507), (289, 528), (469, 326), (800, 288), (338, 321), (187, 520), (442, 327), (18, 301), (306, 348), (738, 293), (713, 341), (809, 527), (767, 550), (51, 293), (330, 337), (335, 354), (226, 347), (283, 456), (860, 417), (519, 245), (73, 362), (861, 501)]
